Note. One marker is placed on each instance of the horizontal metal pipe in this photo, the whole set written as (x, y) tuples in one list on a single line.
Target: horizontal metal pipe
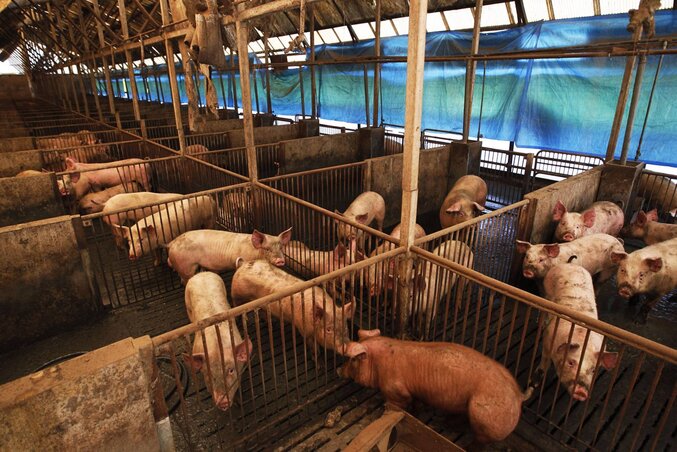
[(217, 168), (659, 350), (268, 299), (314, 171)]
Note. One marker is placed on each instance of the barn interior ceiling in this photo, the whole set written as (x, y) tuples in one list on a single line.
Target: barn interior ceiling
[(56, 31)]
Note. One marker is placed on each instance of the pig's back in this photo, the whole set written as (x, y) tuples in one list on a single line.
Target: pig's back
[(366, 199), (134, 200), (258, 278), (205, 296), (470, 186)]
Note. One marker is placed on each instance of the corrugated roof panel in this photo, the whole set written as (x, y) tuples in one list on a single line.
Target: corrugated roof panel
[(402, 24), (328, 36), (363, 31), (343, 34), (566, 9), (434, 23), (459, 19), (494, 15), (386, 29), (537, 10)]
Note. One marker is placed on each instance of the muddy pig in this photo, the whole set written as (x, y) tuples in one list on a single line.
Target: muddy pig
[(365, 209), (651, 270), (385, 270), (570, 285), (314, 313), (593, 252), (466, 200), (446, 376), (218, 250), (206, 296), (160, 228), (602, 216), (645, 227)]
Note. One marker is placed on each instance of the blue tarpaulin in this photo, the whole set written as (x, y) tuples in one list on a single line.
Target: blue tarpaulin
[(560, 104)]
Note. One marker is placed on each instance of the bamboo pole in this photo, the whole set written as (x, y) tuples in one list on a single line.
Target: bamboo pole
[(242, 30), (377, 66), (418, 10), (471, 66), (130, 62), (266, 50)]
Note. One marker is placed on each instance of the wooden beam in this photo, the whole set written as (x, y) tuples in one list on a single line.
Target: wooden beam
[(471, 66), (173, 83), (242, 31), (104, 60), (313, 83), (130, 62), (92, 80), (418, 10), (377, 66)]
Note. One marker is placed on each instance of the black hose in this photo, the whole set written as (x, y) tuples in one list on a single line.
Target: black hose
[(59, 360)]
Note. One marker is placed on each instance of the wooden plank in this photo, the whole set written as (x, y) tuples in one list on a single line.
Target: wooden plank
[(375, 432)]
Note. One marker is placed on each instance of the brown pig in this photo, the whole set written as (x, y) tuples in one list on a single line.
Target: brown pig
[(570, 285), (206, 296), (645, 227), (446, 376), (466, 200), (365, 209), (313, 311), (651, 270), (593, 252), (379, 278), (218, 250), (602, 216)]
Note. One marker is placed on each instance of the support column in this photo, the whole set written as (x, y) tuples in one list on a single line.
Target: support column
[(313, 88), (130, 62), (377, 66), (173, 83), (418, 10), (243, 60), (470, 72), (104, 60)]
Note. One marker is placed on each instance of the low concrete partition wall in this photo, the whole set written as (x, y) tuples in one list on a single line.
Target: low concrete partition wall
[(576, 192), (12, 163), (29, 198), (99, 401), (220, 126), (45, 280), (317, 152), (22, 143), (265, 135), (386, 179)]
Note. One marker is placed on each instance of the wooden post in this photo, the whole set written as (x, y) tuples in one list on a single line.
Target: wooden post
[(130, 62), (242, 30), (366, 95), (173, 84), (104, 60), (418, 10), (266, 50), (470, 68), (313, 88), (377, 66)]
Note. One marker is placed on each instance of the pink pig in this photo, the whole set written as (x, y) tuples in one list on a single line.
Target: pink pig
[(367, 208), (97, 176), (446, 376), (645, 227), (465, 201), (602, 216)]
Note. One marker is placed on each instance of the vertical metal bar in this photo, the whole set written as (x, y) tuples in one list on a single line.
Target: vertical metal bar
[(633, 108)]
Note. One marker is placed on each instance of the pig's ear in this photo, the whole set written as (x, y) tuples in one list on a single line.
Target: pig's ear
[(479, 208), (567, 347), (195, 361), (454, 208), (243, 351), (523, 247), (285, 236), (149, 229), (552, 249), (340, 251), (589, 218), (559, 210), (356, 350), (652, 215), (75, 177), (641, 218), (349, 310), (366, 334), (654, 263), (362, 219), (617, 257), (124, 230), (608, 360), (318, 312), (70, 164), (239, 262), (420, 282), (257, 239)]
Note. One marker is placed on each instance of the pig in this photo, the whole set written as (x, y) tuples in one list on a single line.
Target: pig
[(206, 296), (94, 202), (602, 216), (160, 228), (466, 200), (570, 285), (431, 285), (365, 209), (377, 272), (133, 207), (651, 270), (659, 191), (446, 376), (28, 173), (64, 140), (313, 312), (98, 176), (315, 263), (593, 252), (196, 149), (645, 227), (218, 250)]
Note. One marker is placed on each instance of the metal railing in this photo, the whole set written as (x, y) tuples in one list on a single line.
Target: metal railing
[(658, 191), (268, 159)]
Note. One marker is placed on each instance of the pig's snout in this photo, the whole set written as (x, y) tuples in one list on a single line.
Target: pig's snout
[(132, 257), (528, 273), (222, 402), (568, 237), (580, 393), (625, 291), (279, 262)]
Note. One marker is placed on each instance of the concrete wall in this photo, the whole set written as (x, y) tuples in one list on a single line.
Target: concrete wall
[(13, 163), (99, 401), (264, 135), (14, 87), (576, 192), (22, 143), (318, 152), (45, 280), (220, 126), (386, 179), (29, 198)]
